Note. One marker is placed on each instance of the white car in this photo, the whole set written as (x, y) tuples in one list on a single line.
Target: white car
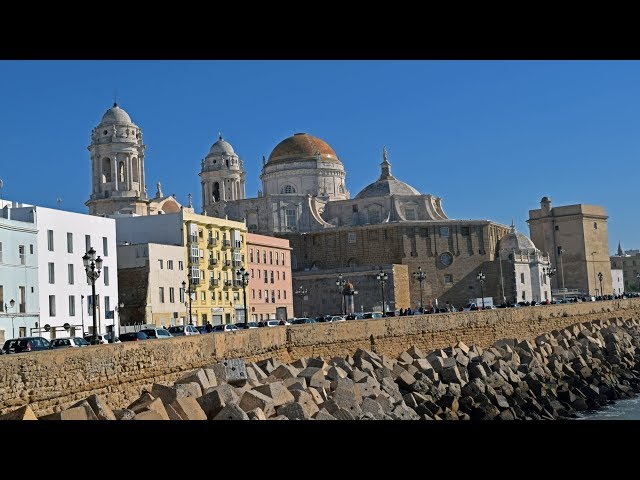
[(337, 318), (102, 339), (69, 342), (225, 327), (179, 330)]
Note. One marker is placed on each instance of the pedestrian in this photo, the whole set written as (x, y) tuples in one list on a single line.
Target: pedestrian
[(209, 327), (408, 311)]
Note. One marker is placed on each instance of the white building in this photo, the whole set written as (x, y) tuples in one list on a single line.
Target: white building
[(150, 280), (18, 273), (617, 281), (64, 291)]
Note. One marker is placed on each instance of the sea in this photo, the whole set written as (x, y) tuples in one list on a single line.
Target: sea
[(627, 409)]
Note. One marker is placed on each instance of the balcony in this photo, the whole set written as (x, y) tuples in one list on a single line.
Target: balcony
[(214, 282), (212, 242), (213, 262), (237, 263), (237, 284), (226, 263), (226, 243), (192, 239), (194, 260), (228, 283)]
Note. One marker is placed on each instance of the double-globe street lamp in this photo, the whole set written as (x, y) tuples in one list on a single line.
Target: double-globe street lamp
[(638, 277), (340, 283), (93, 267), (302, 292), (420, 276), (382, 279), (188, 291), (243, 277), (481, 276), (550, 272), (11, 303)]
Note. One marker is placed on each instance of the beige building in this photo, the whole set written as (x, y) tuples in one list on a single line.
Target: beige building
[(150, 279), (575, 238), (269, 266), (629, 264)]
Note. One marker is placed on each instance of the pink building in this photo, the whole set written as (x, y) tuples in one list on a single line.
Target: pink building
[(269, 267)]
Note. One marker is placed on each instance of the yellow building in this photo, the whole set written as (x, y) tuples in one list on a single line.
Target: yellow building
[(215, 249)]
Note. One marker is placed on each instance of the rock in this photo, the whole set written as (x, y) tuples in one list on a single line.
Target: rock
[(256, 414), (189, 409), (213, 381), (214, 401), (307, 402), (124, 414), (405, 358), (484, 411), (148, 415), (101, 409), (506, 415), (171, 412), (170, 394), (477, 371), (334, 373), (232, 371), (405, 380), (372, 407), (292, 384), (448, 401), (402, 412), (277, 392), (415, 352), (293, 411), (324, 415), (254, 399), (198, 376), (23, 413), (313, 375), (143, 399), (231, 412), (285, 371), (451, 375), (82, 411)]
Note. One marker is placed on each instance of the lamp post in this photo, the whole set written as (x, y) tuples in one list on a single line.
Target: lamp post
[(549, 272), (243, 276), (187, 291), (11, 303), (81, 313), (302, 292), (93, 267), (600, 278), (340, 283), (420, 276), (638, 277), (117, 309), (382, 278), (481, 276)]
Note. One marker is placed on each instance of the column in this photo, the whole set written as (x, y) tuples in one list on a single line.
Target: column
[(223, 190), (129, 170), (143, 189), (114, 171)]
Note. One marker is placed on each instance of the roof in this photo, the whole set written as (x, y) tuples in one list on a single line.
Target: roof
[(302, 146)]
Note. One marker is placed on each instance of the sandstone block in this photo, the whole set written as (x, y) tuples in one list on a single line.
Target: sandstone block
[(293, 411), (313, 375), (198, 376), (231, 412), (232, 371), (256, 414), (124, 414), (189, 409), (22, 413), (307, 402), (148, 415), (285, 371), (100, 408), (416, 353), (324, 415), (277, 392), (254, 399)]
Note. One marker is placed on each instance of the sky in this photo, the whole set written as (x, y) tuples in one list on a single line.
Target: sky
[(489, 137)]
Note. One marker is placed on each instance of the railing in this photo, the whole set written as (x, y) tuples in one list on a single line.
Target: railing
[(213, 261), (237, 263), (226, 243), (192, 239), (227, 263), (194, 260), (228, 283), (212, 242), (214, 282), (237, 283)]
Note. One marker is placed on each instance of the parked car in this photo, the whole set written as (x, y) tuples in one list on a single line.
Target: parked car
[(133, 336), (153, 333), (225, 327), (26, 344), (102, 339), (336, 318), (69, 342), (179, 330), (243, 325), (269, 323), (371, 315), (299, 321)]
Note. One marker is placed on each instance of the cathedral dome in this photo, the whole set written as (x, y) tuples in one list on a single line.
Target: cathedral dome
[(221, 147), (302, 146), (516, 241), (387, 186), (115, 115)]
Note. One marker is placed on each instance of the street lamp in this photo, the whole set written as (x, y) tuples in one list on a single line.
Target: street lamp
[(189, 292), (638, 277), (93, 266), (481, 276), (302, 292), (600, 278), (119, 307), (243, 276), (382, 278), (340, 283), (550, 272), (420, 276), (11, 303)]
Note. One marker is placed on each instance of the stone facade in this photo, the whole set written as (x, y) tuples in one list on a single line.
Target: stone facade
[(576, 239), (52, 380), (630, 266)]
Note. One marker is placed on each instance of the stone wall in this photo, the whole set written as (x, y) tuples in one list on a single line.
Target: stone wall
[(52, 380)]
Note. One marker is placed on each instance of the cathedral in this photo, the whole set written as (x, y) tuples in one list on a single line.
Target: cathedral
[(388, 227)]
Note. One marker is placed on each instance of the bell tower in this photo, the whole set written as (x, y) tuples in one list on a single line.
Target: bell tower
[(117, 166), (222, 176)]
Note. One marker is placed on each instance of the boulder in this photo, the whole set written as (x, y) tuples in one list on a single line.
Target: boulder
[(232, 371), (254, 399), (189, 409), (277, 392), (231, 412), (23, 413), (198, 376)]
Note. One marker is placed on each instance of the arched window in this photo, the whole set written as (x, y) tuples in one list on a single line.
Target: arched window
[(288, 189), (121, 172), (340, 189), (106, 169), (216, 191)]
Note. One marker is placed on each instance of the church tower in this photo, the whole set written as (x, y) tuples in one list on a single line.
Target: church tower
[(117, 166), (222, 176)]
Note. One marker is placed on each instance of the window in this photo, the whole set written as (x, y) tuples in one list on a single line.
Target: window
[(50, 240), (172, 295), (264, 257), (105, 274), (290, 218), (1, 299), (70, 273), (107, 304), (284, 276), (259, 273), (52, 305), (283, 259), (271, 276), (556, 228), (31, 249), (259, 294), (266, 278), (180, 265), (105, 248), (354, 208), (72, 306), (203, 296), (278, 294), (252, 273), (253, 294), (284, 292), (410, 214), (160, 262), (161, 294), (87, 242), (271, 257), (444, 231), (23, 299), (52, 273), (251, 254), (523, 297), (169, 264), (266, 296), (22, 255), (278, 275), (448, 279), (595, 226), (69, 242), (273, 296), (181, 294), (288, 189), (258, 255), (522, 278)]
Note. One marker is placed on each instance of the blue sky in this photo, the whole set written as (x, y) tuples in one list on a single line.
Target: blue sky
[(490, 137)]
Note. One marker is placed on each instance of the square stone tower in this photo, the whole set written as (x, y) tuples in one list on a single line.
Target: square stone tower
[(575, 238)]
